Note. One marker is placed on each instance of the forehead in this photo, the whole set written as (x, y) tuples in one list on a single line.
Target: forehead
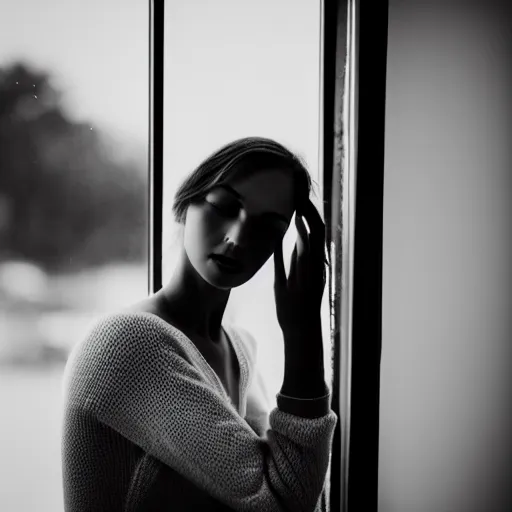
[(269, 189)]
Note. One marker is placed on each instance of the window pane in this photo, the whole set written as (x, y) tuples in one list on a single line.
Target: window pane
[(73, 211), (235, 69)]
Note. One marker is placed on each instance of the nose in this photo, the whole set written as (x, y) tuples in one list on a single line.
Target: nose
[(238, 236)]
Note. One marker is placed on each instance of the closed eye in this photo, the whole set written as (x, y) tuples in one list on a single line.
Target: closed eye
[(273, 215), (270, 221), (225, 211)]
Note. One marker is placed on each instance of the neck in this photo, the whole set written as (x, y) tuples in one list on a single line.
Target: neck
[(192, 302)]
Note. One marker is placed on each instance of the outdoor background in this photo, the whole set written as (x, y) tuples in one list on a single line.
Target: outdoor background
[(73, 211)]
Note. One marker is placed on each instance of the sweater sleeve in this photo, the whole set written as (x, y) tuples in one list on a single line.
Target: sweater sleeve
[(132, 378), (258, 403)]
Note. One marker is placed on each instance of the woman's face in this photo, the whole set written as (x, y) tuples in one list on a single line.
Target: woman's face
[(244, 218)]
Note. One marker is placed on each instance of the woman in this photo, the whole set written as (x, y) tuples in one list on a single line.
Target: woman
[(161, 407)]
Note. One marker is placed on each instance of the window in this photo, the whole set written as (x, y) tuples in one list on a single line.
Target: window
[(203, 106), (73, 211)]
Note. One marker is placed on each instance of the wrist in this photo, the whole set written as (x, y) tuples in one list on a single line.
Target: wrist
[(304, 329)]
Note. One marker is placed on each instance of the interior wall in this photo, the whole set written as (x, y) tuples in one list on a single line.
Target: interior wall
[(445, 417)]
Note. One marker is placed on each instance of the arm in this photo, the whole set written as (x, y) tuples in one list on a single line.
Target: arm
[(258, 403), (303, 393), (258, 408), (132, 379), (298, 300)]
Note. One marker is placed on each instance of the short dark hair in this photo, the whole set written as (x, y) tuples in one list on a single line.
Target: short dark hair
[(249, 153)]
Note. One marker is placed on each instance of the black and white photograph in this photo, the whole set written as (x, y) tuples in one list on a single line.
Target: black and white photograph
[(255, 256)]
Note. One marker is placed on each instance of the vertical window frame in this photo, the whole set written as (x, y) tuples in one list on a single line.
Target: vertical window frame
[(156, 143), (354, 97)]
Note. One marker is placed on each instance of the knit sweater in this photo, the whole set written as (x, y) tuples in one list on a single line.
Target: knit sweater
[(149, 426)]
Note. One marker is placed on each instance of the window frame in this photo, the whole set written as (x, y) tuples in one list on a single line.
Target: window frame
[(156, 143), (351, 137), (354, 90), (334, 47)]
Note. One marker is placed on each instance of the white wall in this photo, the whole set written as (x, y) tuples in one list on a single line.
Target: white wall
[(445, 443)]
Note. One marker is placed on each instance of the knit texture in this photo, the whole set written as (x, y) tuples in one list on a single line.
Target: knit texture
[(149, 426)]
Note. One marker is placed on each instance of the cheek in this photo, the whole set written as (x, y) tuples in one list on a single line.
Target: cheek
[(194, 235), (201, 232)]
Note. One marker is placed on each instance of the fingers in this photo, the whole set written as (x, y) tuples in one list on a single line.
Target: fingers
[(299, 258), (293, 264), (279, 270), (303, 238), (314, 220), (317, 226)]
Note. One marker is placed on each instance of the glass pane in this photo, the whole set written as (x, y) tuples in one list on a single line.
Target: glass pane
[(235, 69), (73, 211), (445, 418)]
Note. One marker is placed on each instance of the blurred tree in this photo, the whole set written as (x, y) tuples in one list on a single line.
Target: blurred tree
[(65, 201)]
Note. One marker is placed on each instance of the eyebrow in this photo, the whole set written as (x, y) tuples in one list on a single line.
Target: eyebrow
[(276, 215)]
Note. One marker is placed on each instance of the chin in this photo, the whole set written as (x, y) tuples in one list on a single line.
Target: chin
[(219, 279)]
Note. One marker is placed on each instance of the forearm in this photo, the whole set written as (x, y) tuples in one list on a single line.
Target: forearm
[(304, 363)]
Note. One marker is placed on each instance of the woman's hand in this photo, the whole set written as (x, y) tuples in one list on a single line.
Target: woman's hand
[(299, 296)]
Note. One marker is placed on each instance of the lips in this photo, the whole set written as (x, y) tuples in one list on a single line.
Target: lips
[(227, 263)]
